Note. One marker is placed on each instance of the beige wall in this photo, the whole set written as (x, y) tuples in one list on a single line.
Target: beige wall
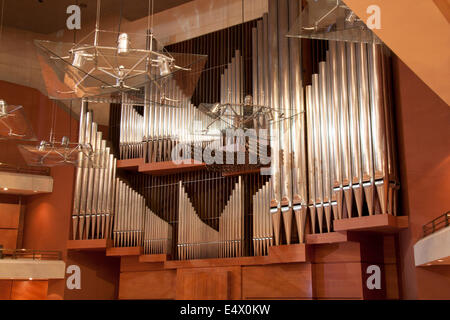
[(419, 34)]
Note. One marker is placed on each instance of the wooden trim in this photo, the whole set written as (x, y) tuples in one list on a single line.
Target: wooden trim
[(325, 238), (169, 167), (127, 251), (384, 223), (287, 253), (152, 258), (277, 254), (219, 262), (130, 164), (89, 245)]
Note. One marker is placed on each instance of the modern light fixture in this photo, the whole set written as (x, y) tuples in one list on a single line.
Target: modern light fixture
[(96, 66), (51, 153), (13, 123), (331, 20)]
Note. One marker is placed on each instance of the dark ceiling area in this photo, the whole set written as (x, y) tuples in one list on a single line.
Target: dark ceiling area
[(48, 16)]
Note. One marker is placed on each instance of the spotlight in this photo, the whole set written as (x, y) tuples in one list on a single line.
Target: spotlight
[(123, 44), (164, 66), (5, 189), (65, 141), (215, 107), (78, 58), (248, 100), (42, 145), (3, 110)]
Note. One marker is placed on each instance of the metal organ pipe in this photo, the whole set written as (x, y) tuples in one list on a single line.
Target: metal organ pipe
[(275, 124), (93, 187), (353, 92)]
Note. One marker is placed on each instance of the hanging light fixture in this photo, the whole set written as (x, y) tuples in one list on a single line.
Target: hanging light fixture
[(13, 123), (331, 20), (93, 67), (52, 153)]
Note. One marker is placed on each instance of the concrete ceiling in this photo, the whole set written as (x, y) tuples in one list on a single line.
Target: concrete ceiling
[(48, 16)]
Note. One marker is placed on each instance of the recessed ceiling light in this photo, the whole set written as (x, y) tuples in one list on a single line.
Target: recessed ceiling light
[(6, 189), (30, 279), (35, 191), (440, 260)]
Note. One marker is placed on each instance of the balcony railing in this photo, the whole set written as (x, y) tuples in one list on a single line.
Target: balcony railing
[(30, 254), (437, 224)]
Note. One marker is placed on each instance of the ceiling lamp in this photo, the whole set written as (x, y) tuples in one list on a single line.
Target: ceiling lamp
[(13, 123)]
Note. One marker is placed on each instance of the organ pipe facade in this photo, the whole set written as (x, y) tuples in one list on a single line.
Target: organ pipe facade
[(331, 135)]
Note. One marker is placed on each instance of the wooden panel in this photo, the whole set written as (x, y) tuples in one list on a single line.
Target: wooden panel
[(203, 285), (132, 263), (282, 281), (337, 280), (5, 289), (384, 223), (372, 249), (223, 262), (147, 285), (8, 238), (338, 252), (29, 290), (126, 251), (94, 244), (324, 238), (169, 167), (9, 215), (287, 253), (389, 249), (234, 278), (152, 258), (391, 276), (130, 164)]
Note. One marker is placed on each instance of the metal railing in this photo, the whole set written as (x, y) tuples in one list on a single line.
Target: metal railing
[(30, 254), (437, 224)]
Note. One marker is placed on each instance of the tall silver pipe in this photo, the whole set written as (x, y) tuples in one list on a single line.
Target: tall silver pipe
[(311, 156), (274, 126), (79, 172), (285, 128), (355, 145), (325, 149), (317, 150), (365, 127)]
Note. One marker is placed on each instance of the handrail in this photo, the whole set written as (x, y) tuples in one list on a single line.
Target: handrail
[(436, 224), (31, 254)]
